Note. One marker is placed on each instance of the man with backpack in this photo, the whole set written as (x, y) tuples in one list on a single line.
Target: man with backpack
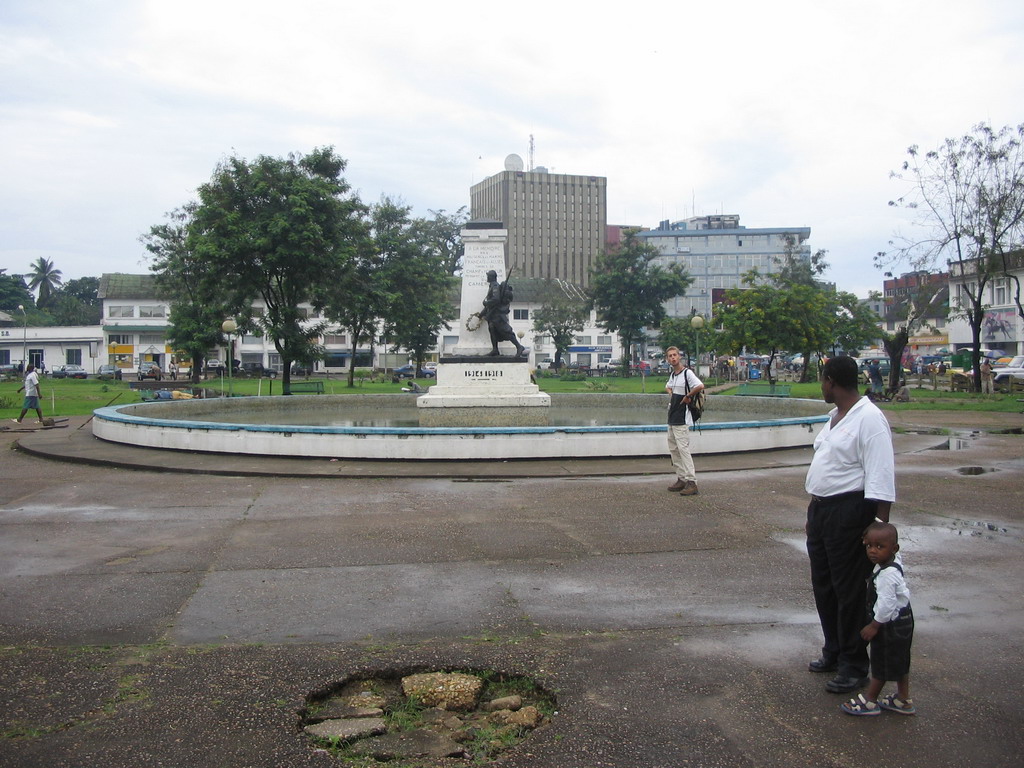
[(683, 388)]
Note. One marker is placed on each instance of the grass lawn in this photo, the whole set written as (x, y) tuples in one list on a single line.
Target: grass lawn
[(65, 397), (76, 397)]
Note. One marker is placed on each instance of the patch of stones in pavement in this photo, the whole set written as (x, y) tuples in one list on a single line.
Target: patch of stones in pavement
[(977, 528), (425, 717)]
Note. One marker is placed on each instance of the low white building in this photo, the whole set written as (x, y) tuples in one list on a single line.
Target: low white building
[(135, 326), (51, 347)]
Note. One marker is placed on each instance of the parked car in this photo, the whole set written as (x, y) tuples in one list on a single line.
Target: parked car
[(150, 370), (70, 372), (109, 372), (220, 366), (258, 370), (302, 369), (1013, 374), (409, 372)]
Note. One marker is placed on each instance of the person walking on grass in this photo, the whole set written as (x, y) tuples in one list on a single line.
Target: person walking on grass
[(890, 630), (851, 482), (683, 385), (31, 389)]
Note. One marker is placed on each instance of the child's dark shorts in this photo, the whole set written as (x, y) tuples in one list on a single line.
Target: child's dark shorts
[(890, 648)]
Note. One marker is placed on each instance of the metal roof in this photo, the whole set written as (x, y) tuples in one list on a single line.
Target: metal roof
[(117, 285)]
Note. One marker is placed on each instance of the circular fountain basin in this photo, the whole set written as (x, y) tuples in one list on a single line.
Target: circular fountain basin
[(274, 426)]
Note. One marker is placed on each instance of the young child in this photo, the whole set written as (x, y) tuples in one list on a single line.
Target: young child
[(891, 630)]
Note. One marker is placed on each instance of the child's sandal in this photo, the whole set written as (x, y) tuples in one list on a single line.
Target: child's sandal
[(895, 704), (861, 706)]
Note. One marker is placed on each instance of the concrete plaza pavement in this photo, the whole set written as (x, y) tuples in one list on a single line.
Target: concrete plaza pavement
[(178, 618)]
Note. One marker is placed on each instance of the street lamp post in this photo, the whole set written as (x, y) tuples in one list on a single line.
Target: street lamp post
[(24, 339), (229, 327), (697, 322)]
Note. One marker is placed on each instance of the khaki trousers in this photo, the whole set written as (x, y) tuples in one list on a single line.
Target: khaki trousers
[(679, 450)]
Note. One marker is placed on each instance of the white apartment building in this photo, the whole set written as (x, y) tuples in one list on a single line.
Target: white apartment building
[(716, 252), (1002, 327)]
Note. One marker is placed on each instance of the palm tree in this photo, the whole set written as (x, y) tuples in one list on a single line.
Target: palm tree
[(45, 278)]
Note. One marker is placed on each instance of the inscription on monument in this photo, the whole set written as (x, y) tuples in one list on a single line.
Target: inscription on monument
[(479, 259), (484, 374)]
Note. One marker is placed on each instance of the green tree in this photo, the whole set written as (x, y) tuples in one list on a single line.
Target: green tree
[(679, 332), (855, 325), (186, 281), (630, 290), (444, 235), (563, 313), (44, 278), (967, 202), (77, 302), (421, 286), (363, 292), (274, 230), (768, 318), (14, 292)]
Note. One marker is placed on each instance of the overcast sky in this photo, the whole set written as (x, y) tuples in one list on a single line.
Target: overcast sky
[(786, 113)]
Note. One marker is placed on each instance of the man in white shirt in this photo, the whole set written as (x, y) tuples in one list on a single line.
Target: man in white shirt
[(31, 388), (851, 481), (683, 385)]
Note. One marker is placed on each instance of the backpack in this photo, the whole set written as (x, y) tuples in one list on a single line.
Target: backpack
[(697, 404)]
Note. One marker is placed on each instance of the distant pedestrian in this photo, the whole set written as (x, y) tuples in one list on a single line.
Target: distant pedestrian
[(890, 627), (875, 375), (988, 376), (683, 386), (31, 389)]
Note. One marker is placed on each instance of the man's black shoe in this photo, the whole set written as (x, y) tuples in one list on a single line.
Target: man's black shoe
[(823, 665), (843, 684)]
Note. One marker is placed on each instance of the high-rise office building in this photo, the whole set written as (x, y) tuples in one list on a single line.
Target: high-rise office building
[(556, 222)]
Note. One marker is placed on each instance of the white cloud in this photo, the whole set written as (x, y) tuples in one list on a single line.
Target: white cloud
[(789, 114)]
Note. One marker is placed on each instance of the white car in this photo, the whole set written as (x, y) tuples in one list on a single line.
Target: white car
[(1012, 372)]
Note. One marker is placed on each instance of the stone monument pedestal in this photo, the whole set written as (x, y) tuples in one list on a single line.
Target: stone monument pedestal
[(483, 391), (474, 388)]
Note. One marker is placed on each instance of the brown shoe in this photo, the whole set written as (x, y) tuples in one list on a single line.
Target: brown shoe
[(690, 489), (678, 485)]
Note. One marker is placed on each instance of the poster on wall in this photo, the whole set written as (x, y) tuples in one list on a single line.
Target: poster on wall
[(998, 328)]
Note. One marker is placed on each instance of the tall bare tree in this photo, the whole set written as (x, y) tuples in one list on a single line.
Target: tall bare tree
[(967, 202)]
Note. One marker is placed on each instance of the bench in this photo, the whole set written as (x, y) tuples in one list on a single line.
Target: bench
[(315, 386), (763, 389)]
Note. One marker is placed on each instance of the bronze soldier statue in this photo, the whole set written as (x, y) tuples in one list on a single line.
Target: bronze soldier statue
[(495, 313)]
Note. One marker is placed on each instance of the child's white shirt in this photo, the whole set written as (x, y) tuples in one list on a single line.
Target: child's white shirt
[(893, 594)]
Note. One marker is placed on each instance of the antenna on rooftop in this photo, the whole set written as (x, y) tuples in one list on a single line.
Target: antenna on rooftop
[(531, 152)]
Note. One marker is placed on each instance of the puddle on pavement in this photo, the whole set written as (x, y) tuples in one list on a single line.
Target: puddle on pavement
[(924, 537), (953, 444), (975, 470)]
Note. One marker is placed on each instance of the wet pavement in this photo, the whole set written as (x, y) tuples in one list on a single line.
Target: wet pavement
[(154, 614)]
